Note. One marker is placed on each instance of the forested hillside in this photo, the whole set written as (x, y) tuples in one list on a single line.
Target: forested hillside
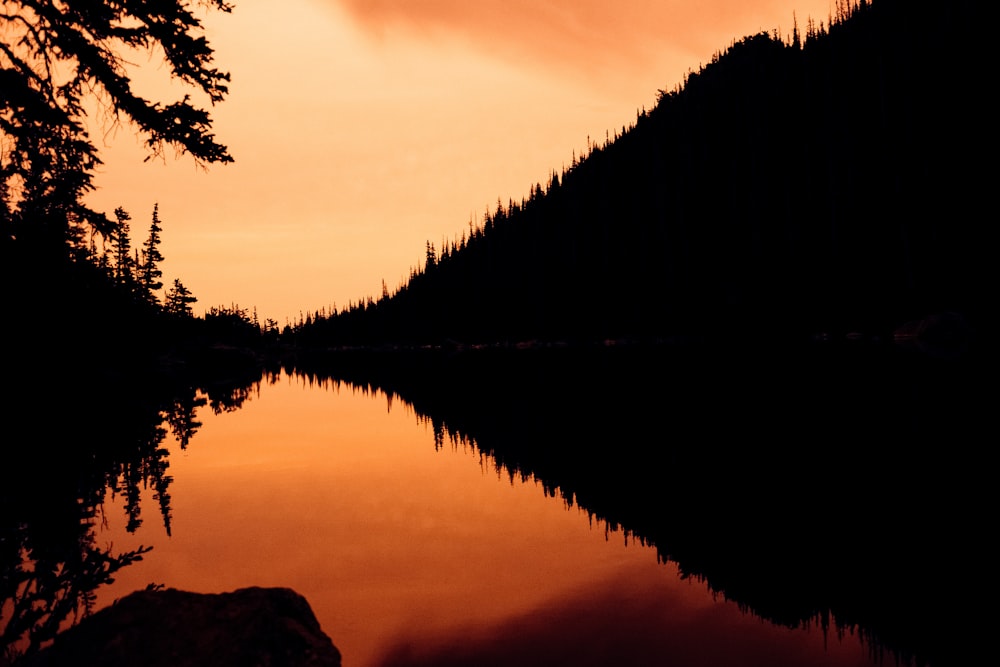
[(823, 182)]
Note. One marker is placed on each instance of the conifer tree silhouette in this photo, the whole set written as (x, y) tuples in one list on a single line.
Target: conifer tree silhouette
[(121, 248), (179, 299), (149, 271)]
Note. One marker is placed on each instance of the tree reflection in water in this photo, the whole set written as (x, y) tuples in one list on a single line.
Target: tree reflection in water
[(833, 491), (100, 435)]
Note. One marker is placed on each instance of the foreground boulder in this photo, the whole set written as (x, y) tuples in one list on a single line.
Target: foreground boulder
[(266, 627)]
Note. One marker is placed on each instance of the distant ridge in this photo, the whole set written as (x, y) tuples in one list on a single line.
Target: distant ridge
[(815, 185)]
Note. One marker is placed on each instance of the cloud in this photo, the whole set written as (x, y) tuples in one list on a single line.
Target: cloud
[(588, 37)]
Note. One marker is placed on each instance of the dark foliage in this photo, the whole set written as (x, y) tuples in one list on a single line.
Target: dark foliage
[(76, 304), (100, 435), (55, 58)]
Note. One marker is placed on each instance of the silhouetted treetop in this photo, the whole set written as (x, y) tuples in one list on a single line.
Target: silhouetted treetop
[(54, 56)]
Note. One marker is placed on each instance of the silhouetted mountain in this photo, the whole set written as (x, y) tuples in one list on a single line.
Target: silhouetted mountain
[(824, 183)]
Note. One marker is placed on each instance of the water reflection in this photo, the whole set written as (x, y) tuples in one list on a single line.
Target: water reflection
[(833, 493), (102, 440), (831, 487), (631, 619)]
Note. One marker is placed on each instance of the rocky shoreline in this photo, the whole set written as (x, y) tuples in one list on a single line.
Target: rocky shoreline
[(272, 627)]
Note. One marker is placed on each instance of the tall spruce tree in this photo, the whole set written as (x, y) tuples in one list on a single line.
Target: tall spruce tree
[(149, 271), (121, 249)]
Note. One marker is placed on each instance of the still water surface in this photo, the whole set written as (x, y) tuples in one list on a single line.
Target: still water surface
[(415, 554)]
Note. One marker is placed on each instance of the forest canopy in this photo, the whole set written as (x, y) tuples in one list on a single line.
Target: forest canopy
[(56, 57)]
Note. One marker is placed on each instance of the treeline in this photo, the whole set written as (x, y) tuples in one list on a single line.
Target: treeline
[(818, 183), (139, 274), (85, 296)]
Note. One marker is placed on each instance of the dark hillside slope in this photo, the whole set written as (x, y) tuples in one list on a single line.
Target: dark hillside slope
[(830, 183)]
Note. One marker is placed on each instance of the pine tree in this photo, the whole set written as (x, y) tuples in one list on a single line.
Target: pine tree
[(178, 300), (121, 249), (55, 59), (149, 272), (431, 257)]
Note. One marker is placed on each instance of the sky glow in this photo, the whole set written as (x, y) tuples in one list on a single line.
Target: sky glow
[(363, 129)]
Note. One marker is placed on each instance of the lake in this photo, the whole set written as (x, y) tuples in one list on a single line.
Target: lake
[(404, 547), (449, 539)]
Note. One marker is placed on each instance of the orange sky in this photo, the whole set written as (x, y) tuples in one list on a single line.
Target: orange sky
[(363, 128)]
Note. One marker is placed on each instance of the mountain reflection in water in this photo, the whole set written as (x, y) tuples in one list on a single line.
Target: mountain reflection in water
[(799, 494), (827, 484), (634, 618)]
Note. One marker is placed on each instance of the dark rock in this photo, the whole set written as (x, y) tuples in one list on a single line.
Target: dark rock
[(250, 627)]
